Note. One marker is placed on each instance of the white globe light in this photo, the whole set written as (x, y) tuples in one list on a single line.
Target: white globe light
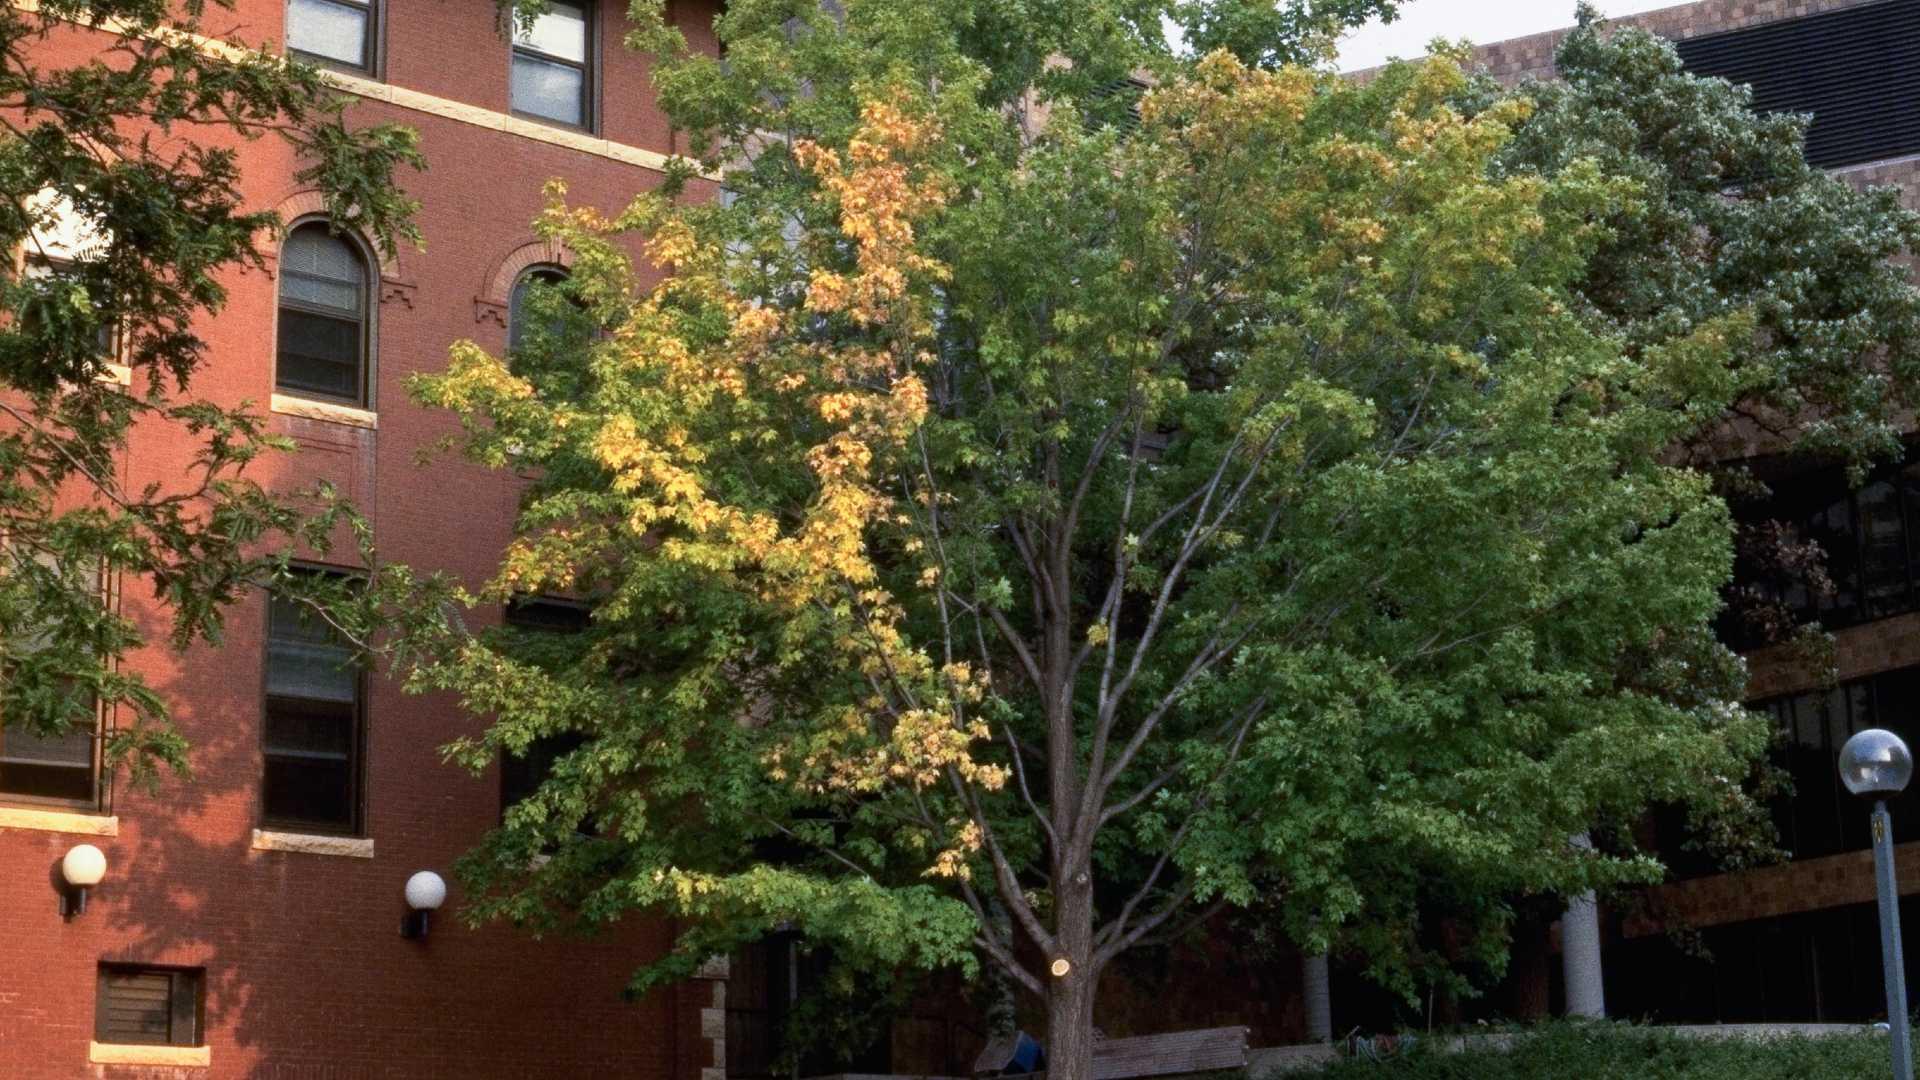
[(84, 866), (1875, 763), (425, 891)]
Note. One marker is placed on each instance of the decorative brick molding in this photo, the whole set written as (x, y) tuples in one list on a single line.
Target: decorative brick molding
[(477, 116), (496, 289), (395, 285)]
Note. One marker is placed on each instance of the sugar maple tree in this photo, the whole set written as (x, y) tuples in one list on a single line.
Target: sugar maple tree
[(999, 505)]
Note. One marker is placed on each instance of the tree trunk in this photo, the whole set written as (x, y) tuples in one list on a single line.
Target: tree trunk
[(1318, 989), (1070, 1026), (1070, 992)]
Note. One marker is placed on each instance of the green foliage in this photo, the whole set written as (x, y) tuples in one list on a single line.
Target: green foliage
[(1624, 1052), (1734, 219), (122, 216), (1011, 531)]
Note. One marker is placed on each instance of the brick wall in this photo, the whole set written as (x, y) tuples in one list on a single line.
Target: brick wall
[(1805, 885), (307, 975)]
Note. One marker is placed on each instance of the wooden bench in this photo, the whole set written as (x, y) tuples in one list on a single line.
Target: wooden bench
[(1175, 1053)]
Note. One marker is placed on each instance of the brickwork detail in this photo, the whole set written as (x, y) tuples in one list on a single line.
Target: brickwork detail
[(309, 203), (496, 291)]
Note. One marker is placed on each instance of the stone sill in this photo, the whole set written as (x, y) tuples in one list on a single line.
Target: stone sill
[(179, 1057), (288, 405), (351, 847), (61, 821)]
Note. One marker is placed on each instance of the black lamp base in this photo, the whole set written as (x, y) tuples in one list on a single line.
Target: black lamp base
[(414, 925)]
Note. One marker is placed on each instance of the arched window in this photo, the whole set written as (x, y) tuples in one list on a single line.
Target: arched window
[(323, 317), (517, 313)]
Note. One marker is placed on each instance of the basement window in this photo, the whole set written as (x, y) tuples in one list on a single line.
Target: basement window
[(141, 1005)]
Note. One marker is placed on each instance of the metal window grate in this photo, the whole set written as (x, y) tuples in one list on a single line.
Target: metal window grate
[(1857, 70)]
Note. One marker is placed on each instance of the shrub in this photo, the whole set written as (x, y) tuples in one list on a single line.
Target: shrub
[(1625, 1052)]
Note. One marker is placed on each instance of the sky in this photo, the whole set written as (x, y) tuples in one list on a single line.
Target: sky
[(1479, 21)]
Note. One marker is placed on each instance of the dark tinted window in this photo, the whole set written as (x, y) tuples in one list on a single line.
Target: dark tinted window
[(1869, 546), (522, 775), (1820, 817), (517, 314), (50, 768), (149, 1005), (315, 694), (61, 768)]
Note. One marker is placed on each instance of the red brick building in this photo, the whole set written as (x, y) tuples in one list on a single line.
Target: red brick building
[(248, 922)]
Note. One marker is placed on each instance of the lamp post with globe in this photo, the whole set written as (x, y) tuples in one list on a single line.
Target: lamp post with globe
[(1876, 765)]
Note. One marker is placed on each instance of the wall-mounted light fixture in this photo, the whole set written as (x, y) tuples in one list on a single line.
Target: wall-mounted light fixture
[(425, 893), (81, 869)]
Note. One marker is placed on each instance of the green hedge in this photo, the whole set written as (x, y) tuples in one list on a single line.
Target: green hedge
[(1624, 1052)]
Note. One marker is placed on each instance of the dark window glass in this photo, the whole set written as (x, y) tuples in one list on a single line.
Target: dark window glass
[(337, 30), (315, 695), (1820, 817), (65, 768), (517, 327), (551, 69), (50, 768), (323, 317), (150, 1005), (559, 616), (521, 776), (1869, 542)]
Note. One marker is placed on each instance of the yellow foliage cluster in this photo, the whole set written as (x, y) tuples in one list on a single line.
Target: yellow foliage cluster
[(916, 725), (879, 197)]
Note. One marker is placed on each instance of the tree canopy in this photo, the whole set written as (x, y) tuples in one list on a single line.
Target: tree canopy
[(1107, 502)]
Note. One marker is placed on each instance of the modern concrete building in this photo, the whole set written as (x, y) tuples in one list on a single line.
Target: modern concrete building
[(248, 923)]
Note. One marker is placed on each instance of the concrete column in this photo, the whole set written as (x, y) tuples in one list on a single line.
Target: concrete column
[(1319, 995), (1580, 951)]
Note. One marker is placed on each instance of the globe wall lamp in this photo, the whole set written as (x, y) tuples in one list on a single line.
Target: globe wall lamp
[(1876, 765), (80, 869), (425, 893)]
